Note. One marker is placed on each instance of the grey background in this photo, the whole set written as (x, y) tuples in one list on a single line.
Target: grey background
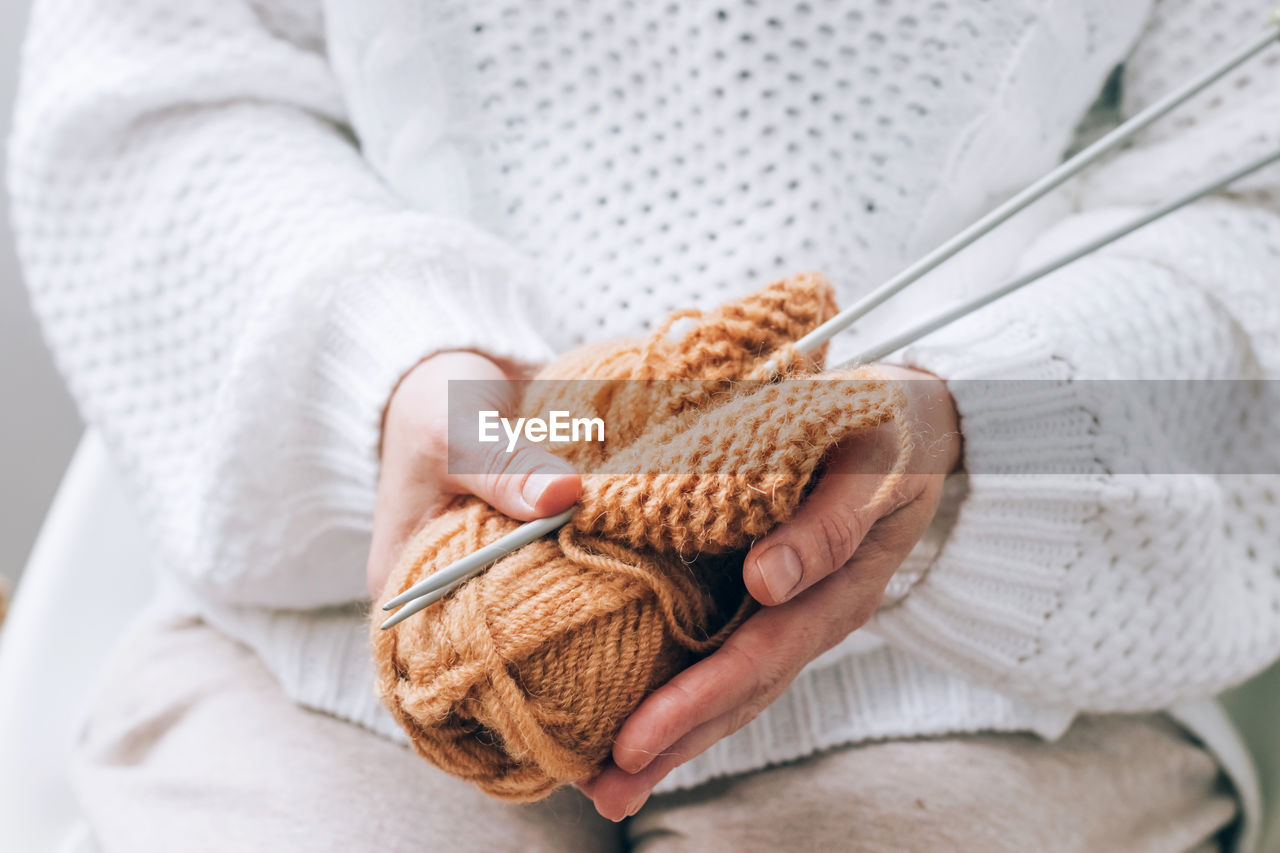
[(38, 424)]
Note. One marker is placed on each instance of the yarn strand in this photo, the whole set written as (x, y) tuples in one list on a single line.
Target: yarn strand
[(520, 678)]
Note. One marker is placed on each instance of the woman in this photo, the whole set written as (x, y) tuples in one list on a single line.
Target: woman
[(261, 234)]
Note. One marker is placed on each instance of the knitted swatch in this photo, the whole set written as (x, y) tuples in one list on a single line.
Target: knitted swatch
[(520, 679)]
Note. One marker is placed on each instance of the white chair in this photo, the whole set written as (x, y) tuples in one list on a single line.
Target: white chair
[(90, 573)]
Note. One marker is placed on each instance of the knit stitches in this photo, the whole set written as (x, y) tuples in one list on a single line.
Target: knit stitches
[(243, 220), (519, 680)]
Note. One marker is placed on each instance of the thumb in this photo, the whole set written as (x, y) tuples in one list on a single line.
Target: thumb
[(524, 483), (518, 478), (822, 536)]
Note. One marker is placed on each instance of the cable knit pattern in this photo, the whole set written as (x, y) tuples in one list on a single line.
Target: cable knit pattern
[(243, 220)]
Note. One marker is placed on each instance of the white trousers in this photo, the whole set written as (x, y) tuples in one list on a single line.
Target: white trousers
[(193, 747)]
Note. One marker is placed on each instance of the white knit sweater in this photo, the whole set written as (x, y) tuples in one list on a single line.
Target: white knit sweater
[(243, 220)]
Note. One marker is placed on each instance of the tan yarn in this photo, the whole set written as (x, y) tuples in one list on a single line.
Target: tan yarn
[(520, 680)]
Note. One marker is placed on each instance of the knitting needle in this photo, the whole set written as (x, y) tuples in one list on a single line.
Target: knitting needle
[(1038, 189), (915, 333), (531, 531), (433, 588)]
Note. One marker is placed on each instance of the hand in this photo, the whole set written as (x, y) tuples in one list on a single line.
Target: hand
[(820, 576), (415, 484)]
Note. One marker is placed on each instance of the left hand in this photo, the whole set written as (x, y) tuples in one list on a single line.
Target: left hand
[(820, 576)]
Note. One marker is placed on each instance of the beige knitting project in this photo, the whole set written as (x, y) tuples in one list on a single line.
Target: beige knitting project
[(520, 680)]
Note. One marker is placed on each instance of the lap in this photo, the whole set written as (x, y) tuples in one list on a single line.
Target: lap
[(1111, 783), (192, 739), (192, 743)]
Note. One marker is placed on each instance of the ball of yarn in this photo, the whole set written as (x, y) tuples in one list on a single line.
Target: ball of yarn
[(521, 678)]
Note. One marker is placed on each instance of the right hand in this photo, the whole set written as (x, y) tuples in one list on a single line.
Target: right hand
[(415, 484)]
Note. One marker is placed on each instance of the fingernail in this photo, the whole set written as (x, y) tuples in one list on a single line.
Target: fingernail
[(537, 483), (780, 567)]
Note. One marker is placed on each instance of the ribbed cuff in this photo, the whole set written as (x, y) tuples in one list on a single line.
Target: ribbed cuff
[(319, 360), (1020, 410), (983, 606), (396, 307)]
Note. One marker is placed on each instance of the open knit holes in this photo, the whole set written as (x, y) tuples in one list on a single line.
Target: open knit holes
[(1178, 40), (682, 125)]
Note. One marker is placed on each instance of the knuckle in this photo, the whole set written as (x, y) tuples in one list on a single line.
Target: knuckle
[(770, 678), (521, 461), (487, 469), (834, 539), (744, 714), (747, 660), (767, 660), (670, 707)]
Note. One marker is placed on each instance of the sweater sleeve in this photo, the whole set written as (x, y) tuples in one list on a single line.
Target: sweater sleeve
[(1071, 578), (228, 288)]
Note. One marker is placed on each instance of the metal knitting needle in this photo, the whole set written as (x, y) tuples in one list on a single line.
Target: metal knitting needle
[(435, 587), (945, 318), (431, 589)]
